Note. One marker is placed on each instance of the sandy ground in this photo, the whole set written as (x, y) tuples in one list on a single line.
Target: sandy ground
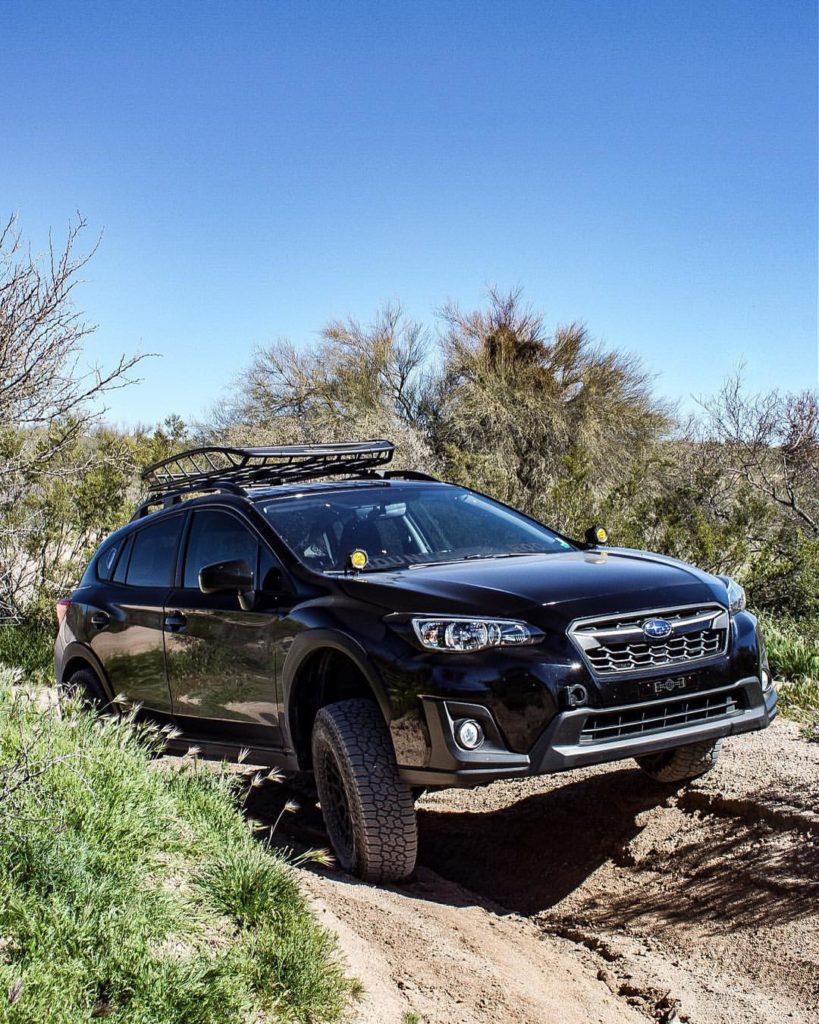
[(596, 896)]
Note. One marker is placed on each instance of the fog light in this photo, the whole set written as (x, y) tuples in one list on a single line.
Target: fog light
[(468, 733), (765, 676)]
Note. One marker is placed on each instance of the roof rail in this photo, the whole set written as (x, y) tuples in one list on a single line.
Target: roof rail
[(170, 498), (219, 468)]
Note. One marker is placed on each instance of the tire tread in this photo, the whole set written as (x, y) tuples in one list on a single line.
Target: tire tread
[(385, 834), (681, 763)]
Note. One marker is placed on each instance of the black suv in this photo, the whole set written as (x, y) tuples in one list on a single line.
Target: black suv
[(392, 633)]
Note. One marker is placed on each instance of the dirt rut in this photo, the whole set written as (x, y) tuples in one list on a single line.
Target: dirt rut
[(598, 896)]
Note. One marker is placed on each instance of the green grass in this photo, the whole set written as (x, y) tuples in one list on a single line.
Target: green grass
[(793, 651), (28, 646), (136, 892)]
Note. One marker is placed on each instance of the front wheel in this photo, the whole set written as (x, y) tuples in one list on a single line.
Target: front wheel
[(369, 812), (681, 763)]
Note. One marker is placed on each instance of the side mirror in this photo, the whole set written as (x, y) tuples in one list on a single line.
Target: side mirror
[(234, 577), (596, 535)]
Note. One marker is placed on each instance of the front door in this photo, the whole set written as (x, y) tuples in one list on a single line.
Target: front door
[(221, 660)]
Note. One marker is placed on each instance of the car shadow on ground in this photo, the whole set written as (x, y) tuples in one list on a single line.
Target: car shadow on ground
[(529, 856), (532, 855), (526, 857)]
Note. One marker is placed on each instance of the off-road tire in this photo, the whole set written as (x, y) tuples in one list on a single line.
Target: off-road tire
[(368, 811), (84, 686), (681, 763)]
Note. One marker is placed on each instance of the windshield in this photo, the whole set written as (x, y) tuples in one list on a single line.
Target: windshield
[(404, 526)]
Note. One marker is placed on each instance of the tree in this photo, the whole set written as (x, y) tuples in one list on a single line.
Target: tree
[(547, 422), (772, 441), (49, 402), (358, 382), (767, 444)]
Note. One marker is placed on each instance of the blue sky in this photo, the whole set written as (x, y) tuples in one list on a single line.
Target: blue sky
[(646, 166)]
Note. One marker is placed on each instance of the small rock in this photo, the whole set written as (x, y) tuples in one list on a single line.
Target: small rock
[(608, 980)]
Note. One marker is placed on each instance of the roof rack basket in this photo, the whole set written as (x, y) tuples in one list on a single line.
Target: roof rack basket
[(212, 468)]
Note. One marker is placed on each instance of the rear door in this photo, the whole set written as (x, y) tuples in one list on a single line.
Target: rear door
[(126, 620), (222, 660)]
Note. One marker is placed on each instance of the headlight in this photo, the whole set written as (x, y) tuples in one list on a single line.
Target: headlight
[(463, 634), (736, 594)]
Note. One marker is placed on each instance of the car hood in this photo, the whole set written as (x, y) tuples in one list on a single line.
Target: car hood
[(545, 588)]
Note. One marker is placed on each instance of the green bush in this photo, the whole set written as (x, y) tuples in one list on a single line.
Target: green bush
[(784, 577), (793, 651), (793, 646), (136, 890), (28, 646)]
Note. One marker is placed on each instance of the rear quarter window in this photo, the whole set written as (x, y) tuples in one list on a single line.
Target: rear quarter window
[(106, 560)]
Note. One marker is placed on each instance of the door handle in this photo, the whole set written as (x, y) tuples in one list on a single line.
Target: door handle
[(99, 620), (175, 622)]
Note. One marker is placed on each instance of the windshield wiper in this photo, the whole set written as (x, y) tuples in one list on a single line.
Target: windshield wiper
[(473, 558), (366, 569), (440, 561)]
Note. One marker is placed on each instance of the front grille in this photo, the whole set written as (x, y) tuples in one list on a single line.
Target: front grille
[(621, 657), (649, 718), (618, 643)]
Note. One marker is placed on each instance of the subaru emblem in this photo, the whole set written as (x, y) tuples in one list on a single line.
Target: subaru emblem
[(657, 629)]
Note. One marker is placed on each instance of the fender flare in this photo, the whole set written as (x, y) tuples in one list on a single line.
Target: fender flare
[(308, 643), (76, 651)]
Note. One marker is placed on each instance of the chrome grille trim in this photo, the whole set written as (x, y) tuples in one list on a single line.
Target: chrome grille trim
[(660, 716), (611, 644)]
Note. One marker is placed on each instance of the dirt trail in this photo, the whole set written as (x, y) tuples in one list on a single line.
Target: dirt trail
[(598, 896), (432, 950)]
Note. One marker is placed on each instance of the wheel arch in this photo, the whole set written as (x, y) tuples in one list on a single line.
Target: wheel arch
[(75, 657), (324, 666)]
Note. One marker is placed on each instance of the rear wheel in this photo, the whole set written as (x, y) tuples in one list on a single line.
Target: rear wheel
[(681, 763), (369, 812), (83, 685)]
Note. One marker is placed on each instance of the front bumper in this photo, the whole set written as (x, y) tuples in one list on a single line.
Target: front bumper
[(573, 740)]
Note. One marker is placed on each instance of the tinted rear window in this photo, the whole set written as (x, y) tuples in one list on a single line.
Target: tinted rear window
[(153, 557)]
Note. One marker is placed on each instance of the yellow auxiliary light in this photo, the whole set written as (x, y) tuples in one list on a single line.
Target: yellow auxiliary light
[(596, 534), (357, 559)]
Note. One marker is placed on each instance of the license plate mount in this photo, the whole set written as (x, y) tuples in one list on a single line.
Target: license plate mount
[(665, 687)]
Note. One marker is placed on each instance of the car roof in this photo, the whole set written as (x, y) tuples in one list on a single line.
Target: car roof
[(291, 490)]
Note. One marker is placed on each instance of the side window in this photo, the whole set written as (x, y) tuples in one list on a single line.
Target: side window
[(153, 556), (122, 563), (107, 559), (217, 537)]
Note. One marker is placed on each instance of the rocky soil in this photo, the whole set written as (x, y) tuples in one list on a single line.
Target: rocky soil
[(596, 896)]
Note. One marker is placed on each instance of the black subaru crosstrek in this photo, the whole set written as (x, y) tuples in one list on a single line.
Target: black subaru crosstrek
[(392, 633)]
